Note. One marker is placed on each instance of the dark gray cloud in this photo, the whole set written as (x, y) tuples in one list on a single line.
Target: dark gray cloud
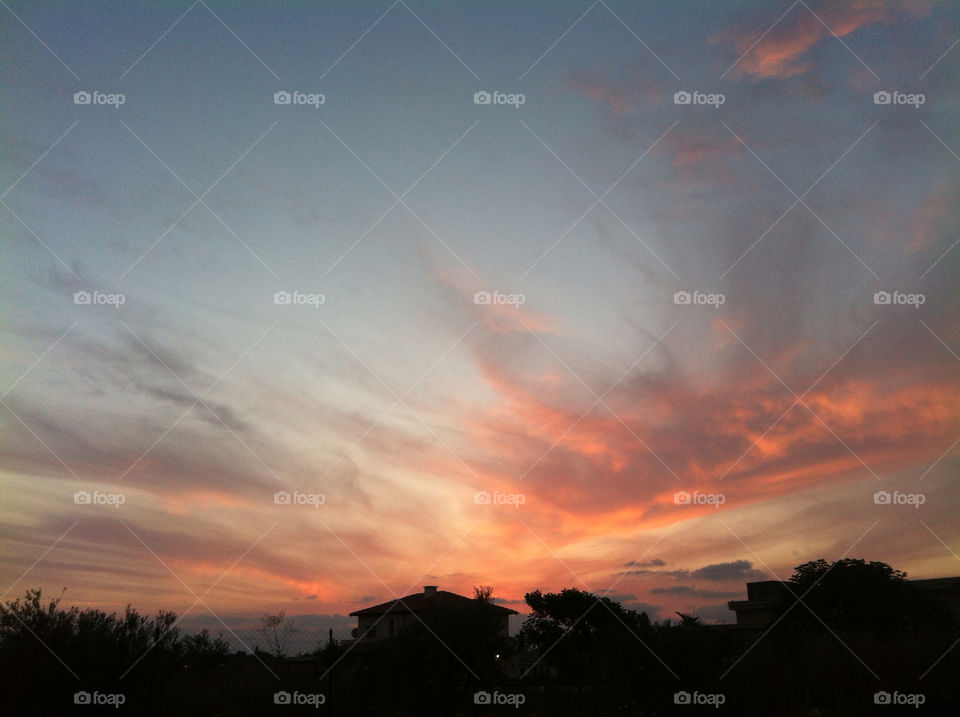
[(655, 563), (739, 570), (734, 570), (687, 590)]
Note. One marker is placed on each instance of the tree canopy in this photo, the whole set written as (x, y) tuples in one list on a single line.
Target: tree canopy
[(853, 594)]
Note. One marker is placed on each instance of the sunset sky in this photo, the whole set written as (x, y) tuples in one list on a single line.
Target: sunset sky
[(783, 396)]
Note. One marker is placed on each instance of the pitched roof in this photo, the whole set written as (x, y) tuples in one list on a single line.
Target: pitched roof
[(440, 599)]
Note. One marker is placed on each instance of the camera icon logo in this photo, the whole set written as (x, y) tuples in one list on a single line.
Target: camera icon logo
[(882, 497), (681, 497), (281, 698), (482, 297), (881, 698), (681, 98), (281, 297), (81, 297), (882, 97), (81, 497), (81, 98), (482, 698), (681, 297), (881, 297), (481, 98), (281, 98), (681, 698), (482, 497), (81, 698), (281, 497)]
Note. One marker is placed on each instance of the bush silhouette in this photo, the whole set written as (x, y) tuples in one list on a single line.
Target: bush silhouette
[(47, 652)]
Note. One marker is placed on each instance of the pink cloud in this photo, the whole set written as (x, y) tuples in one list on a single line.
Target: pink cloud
[(595, 475), (782, 52)]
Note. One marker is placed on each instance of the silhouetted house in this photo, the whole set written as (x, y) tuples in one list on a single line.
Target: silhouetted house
[(763, 602), (387, 619), (766, 598), (944, 590)]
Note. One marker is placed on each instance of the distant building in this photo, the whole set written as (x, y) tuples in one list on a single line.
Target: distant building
[(387, 619), (763, 602), (766, 598)]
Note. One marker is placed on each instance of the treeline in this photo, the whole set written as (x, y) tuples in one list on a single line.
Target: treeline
[(49, 654), (862, 633)]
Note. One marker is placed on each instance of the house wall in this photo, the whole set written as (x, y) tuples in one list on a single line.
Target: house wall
[(388, 626), (391, 625)]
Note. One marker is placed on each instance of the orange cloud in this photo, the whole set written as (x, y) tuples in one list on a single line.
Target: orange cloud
[(594, 477), (782, 50)]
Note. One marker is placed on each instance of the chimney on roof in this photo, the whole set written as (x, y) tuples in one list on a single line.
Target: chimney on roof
[(429, 589)]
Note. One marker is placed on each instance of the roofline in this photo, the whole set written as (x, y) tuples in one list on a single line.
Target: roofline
[(375, 610), (398, 604), (950, 580)]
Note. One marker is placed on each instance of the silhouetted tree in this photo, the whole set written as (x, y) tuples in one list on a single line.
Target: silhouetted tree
[(689, 620), (864, 619), (483, 593), (43, 646), (203, 650), (853, 595), (589, 638), (278, 630)]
